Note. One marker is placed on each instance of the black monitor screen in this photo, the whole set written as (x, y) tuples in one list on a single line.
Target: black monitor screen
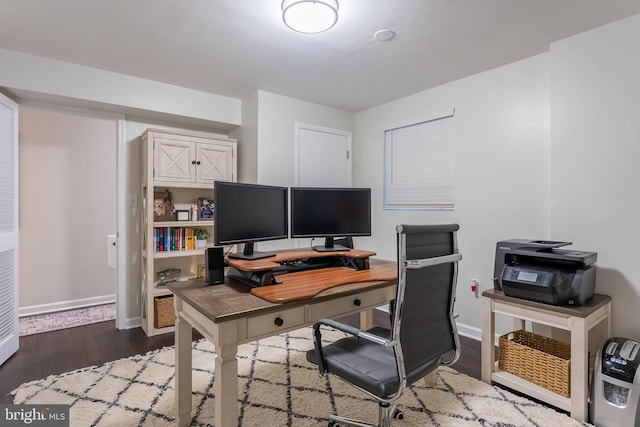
[(248, 213), (329, 213)]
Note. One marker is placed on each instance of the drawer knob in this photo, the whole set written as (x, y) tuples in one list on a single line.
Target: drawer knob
[(357, 302), (279, 321)]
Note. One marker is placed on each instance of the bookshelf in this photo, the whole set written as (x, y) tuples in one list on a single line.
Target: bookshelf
[(184, 166)]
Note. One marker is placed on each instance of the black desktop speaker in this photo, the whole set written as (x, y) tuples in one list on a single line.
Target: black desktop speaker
[(214, 265)]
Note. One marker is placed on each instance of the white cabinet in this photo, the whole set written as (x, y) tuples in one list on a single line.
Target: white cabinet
[(179, 159), (186, 166)]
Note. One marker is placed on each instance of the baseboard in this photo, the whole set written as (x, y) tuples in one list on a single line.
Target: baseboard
[(131, 322), (469, 331), (65, 305)]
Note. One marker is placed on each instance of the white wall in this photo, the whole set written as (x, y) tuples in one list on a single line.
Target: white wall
[(21, 71), (595, 147), (277, 116), (67, 208), (247, 136), (501, 190), (275, 145)]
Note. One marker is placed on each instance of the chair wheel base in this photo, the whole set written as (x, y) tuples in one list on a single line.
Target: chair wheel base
[(397, 414)]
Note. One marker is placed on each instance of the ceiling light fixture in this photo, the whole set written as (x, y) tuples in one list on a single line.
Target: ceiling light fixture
[(310, 16)]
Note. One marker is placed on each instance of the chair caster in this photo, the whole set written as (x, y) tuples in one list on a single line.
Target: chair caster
[(397, 414), (333, 424)]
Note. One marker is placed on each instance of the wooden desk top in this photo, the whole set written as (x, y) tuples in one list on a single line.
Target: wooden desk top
[(234, 299), (307, 284), (582, 311)]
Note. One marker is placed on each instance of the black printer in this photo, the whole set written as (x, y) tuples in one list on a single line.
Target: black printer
[(537, 270)]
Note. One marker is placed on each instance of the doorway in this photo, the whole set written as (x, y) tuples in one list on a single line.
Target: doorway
[(67, 208)]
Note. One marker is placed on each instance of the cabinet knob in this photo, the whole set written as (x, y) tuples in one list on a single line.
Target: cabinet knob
[(279, 321), (198, 162), (193, 162), (357, 302)]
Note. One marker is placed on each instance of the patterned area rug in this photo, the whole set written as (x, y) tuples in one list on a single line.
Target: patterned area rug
[(277, 387), (65, 319)]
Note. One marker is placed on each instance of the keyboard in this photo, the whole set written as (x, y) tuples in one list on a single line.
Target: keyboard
[(301, 265)]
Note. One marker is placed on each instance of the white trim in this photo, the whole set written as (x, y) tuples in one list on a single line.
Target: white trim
[(469, 331), (65, 305), (121, 224), (130, 323)]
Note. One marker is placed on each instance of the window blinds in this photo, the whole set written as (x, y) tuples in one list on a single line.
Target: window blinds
[(419, 168)]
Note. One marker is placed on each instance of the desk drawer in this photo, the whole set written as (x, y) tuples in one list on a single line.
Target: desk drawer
[(352, 303), (272, 324)]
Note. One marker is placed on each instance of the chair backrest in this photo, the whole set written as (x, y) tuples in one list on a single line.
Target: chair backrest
[(423, 319)]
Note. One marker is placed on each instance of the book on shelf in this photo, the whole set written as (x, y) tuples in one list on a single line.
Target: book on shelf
[(174, 239)]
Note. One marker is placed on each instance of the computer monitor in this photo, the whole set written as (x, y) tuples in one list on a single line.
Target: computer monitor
[(330, 212), (249, 213)]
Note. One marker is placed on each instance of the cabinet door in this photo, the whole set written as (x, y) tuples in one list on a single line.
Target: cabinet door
[(216, 163), (174, 160)]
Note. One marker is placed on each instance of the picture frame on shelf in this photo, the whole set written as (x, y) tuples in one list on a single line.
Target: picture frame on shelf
[(182, 215), (205, 209), (162, 206)]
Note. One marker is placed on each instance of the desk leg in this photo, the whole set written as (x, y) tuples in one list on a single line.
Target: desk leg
[(225, 386), (488, 349), (366, 319), (183, 370), (579, 368)]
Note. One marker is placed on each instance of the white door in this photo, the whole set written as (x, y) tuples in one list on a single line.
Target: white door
[(323, 157), (8, 228)]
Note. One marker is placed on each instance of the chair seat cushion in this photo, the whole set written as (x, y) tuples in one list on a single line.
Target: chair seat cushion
[(367, 365)]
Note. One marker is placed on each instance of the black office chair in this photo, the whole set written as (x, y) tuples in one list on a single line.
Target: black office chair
[(423, 335)]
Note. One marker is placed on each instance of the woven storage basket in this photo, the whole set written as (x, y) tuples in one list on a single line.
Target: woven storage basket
[(164, 314), (537, 359)]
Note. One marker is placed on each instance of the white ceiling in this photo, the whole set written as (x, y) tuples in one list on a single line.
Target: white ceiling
[(234, 47)]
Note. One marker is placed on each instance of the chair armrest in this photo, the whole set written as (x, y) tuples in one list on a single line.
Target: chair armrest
[(337, 325), (317, 338)]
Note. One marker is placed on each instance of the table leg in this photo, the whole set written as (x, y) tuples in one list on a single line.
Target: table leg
[(488, 350), (579, 371), (366, 319), (183, 370), (225, 387)]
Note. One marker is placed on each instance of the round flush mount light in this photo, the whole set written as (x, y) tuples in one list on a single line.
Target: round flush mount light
[(310, 16)]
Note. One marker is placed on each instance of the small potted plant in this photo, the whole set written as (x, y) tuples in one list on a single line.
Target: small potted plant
[(202, 234)]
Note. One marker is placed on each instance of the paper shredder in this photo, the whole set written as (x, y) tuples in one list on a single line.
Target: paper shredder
[(615, 399)]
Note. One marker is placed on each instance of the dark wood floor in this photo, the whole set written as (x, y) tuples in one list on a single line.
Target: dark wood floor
[(61, 351)]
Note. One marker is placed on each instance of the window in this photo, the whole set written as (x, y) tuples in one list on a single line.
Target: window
[(419, 165)]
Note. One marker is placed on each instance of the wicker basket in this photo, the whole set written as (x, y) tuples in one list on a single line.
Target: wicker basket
[(164, 314), (537, 359)]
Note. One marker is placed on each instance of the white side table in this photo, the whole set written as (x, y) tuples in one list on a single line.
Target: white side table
[(579, 321)]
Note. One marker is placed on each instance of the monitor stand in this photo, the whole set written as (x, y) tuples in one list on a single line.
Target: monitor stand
[(329, 246), (250, 254)]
